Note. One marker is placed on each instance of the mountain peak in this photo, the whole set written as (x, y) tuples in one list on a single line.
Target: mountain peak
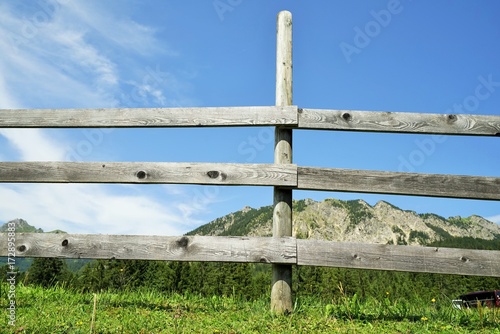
[(21, 225), (246, 209)]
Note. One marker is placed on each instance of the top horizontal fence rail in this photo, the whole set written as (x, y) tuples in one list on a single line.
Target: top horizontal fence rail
[(148, 117), (287, 116), (402, 122)]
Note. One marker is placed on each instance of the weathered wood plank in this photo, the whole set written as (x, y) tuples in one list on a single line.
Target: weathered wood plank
[(398, 258), (368, 181), (138, 247), (403, 122), (148, 117), (149, 172)]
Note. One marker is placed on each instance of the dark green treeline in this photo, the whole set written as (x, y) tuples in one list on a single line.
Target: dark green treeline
[(249, 281)]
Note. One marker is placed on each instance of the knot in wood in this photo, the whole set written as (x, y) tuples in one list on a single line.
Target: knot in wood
[(21, 248), (183, 242), (65, 243), (346, 116), (141, 175), (464, 259), (213, 174), (452, 118)]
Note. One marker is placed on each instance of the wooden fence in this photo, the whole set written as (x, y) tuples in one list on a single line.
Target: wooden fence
[(281, 250)]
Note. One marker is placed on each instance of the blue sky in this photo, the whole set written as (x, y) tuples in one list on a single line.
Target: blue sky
[(409, 56)]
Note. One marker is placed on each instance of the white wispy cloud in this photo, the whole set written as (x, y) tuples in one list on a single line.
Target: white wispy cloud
[(33, 145), (49, 64), (494, 219), (69, 54), (80, 54), (6, 99), (84, 208), (121, 31)]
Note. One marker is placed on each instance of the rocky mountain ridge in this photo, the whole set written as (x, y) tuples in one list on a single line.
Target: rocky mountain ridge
[(355, 221)]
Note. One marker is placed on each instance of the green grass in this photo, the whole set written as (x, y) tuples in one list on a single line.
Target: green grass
[(58, 310)]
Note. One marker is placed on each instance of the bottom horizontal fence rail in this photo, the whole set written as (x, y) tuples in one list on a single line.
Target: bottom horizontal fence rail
[(254, 249), (139, 247)]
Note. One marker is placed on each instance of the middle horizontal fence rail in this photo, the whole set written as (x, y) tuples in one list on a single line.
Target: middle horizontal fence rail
[(399, 183), (281, 175), (149, 172)]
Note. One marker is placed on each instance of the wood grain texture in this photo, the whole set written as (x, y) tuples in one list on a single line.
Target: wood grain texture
[(403, 122), (380, 182), (285, 251), (148, 117), (398, 258), (149, 172), (138, 247), (281, 286)]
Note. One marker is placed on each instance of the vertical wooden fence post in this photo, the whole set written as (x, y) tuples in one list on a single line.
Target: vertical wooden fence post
[(281, 290)]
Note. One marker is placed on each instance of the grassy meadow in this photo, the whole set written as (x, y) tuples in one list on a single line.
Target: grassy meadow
[(60, 310)]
